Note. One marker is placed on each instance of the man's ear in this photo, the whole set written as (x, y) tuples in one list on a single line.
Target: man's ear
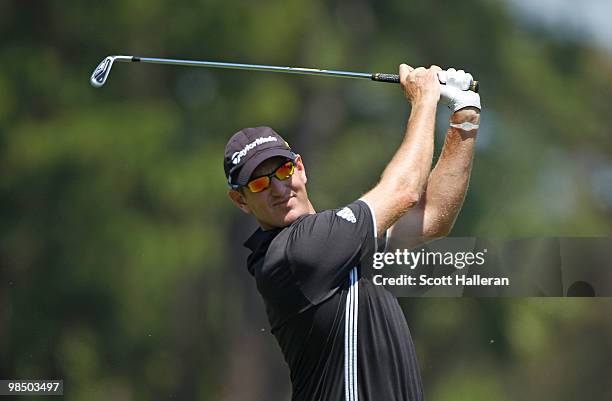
[(238, 199), (299, 166)]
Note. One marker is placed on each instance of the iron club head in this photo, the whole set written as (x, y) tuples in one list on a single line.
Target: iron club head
[(100, 74)]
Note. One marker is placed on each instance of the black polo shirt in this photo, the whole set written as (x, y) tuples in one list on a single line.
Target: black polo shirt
[(343, 337)]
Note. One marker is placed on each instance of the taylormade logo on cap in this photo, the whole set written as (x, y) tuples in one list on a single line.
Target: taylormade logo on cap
[(237, 156)]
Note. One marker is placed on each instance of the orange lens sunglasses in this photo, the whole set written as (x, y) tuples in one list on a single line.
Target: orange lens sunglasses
[(282, 172)]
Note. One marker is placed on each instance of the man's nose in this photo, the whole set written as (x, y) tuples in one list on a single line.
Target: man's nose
[(278, 187)]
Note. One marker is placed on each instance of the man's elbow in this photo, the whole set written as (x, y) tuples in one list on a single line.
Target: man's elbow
[(438, 232), (410, 199), (406, 194), (410, 195), (437, 225)]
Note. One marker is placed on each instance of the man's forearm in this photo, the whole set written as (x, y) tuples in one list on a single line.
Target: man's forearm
[(409, 168), (448, 181), (403, 180), (447, 185)]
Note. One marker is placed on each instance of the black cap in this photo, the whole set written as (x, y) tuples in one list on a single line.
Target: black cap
[(247, 148)]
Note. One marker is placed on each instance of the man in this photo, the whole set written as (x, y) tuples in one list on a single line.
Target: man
[(343, 337)]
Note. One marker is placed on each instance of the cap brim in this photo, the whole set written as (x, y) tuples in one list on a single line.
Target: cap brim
[(252, 163)]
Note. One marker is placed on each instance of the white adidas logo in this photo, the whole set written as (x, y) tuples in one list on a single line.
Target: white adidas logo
[(347, 214)]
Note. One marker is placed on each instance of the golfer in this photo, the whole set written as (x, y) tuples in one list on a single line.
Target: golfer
[(343, 337)]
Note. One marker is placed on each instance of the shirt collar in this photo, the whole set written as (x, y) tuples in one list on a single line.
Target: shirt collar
[(258, 243), (259, 237)]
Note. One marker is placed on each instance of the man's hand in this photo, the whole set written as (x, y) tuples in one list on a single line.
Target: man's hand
[(421, 84), (454, 93)]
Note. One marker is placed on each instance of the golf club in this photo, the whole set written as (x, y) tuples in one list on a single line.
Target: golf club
[(100, 74)]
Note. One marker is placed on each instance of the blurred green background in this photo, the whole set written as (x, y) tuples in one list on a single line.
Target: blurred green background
[(121, 265)]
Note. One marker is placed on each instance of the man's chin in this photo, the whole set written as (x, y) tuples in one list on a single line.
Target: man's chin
[(291, 216)]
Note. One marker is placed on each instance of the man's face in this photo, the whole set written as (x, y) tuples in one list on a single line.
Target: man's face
[(282, 202)]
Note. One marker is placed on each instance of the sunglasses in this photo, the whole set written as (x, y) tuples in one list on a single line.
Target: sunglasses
[(282, 172)]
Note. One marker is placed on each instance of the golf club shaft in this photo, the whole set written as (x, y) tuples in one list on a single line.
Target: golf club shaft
[(252, 67), (105, 66)]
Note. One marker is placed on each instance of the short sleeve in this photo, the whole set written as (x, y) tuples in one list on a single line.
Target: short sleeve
[(322, 248)]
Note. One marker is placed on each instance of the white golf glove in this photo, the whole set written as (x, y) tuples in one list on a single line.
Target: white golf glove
[(455, 92)]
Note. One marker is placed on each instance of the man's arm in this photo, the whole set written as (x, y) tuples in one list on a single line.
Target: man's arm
[(437, 210), (403, 180)]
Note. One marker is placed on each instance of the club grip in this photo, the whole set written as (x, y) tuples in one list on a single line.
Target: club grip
[(394, 78), (475, 86), (382, 77)]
